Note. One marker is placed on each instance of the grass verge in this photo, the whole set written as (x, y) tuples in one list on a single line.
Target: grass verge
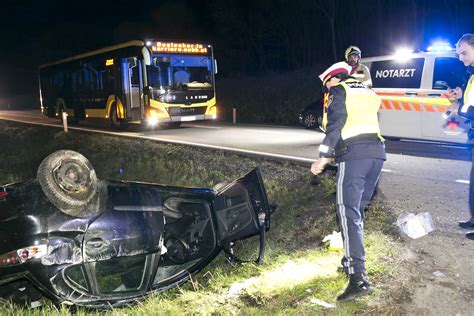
[(298, 273)]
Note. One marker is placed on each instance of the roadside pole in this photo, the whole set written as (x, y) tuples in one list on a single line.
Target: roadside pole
[(64, 114), (234, 115)]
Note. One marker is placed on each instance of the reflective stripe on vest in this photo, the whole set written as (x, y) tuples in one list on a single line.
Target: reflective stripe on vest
[(468, 95), (362, 105), (325, 111)]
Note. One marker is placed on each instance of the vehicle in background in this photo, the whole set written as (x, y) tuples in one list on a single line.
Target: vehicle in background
[(414, 90), (312, 115), (154, 82), (75, 239)]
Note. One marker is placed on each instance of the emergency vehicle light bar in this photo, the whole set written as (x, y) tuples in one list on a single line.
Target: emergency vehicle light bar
[(440, 47)]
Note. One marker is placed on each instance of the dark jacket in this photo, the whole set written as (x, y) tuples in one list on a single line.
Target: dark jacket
[(366, 146)]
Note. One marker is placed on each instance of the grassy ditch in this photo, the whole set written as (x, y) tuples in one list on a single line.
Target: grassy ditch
[(298, 271)]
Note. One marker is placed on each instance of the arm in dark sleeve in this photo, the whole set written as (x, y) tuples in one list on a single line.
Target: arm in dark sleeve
[(337, 116), (466, 110)]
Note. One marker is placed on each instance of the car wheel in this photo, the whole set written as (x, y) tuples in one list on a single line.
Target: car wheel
[(117, 122), (311, 120), (70, 183)]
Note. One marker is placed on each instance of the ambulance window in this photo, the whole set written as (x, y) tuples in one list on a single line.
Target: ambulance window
[(397, 74), (449, 72)]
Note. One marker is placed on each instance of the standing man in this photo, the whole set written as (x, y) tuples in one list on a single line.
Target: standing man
[(353, 140), (359, 71), (465, 51)]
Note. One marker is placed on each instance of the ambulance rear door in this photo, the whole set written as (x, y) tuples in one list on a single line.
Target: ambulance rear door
[(443, 71), (398, 82)]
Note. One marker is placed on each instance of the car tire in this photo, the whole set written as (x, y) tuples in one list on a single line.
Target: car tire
[(115, 121), (312, 120), (70, 183)]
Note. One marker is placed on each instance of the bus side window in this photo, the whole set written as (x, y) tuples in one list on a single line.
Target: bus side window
[(449, 72)]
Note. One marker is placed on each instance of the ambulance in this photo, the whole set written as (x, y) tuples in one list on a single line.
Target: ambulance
[(414, 90)]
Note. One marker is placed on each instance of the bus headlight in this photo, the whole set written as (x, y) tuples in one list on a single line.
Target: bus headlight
[(152, 121)]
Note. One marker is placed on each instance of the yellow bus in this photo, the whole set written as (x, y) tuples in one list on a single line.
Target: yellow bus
[(157, 83)]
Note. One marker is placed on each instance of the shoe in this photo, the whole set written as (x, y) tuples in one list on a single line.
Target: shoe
[(355, 288), (470, 235), (466, 224)]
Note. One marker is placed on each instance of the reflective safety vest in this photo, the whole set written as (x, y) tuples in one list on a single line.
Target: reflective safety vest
[(468, 96), (469, 93), (362, 105)]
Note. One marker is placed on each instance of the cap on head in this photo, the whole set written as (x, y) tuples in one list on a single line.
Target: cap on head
[(351, 50), (336, 69)]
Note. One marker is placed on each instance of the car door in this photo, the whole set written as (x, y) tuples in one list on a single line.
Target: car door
[(199, 228), (241, 208), (398, 82), (448, 72)]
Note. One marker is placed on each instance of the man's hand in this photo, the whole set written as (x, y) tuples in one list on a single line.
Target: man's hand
[(318, 166), (455, 93), (453, 107)]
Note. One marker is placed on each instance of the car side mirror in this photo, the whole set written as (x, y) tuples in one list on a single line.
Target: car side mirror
[(440, 85)]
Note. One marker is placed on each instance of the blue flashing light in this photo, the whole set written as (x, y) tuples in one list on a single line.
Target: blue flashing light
[(440, 47)]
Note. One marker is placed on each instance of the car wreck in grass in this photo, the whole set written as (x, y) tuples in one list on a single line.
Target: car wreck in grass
[(75, 239)]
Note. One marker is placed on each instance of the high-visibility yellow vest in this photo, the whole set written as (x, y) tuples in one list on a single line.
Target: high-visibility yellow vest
[(362, 105), (467, 93)]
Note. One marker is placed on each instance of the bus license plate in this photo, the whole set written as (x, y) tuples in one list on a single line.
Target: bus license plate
[(188, 118)]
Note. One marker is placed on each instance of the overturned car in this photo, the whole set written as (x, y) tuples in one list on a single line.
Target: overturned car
[(75, 239)]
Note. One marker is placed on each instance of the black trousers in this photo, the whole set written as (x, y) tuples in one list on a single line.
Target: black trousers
[(356, 180), (471, 187)]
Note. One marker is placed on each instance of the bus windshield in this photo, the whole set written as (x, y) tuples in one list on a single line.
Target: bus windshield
[(179, 72)]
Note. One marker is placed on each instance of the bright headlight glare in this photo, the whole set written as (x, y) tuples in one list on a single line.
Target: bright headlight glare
[(152, 121)]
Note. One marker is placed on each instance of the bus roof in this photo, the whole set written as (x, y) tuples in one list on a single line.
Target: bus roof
[(95, 52)]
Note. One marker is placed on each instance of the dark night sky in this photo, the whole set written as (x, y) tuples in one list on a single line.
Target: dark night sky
[(250, 37)]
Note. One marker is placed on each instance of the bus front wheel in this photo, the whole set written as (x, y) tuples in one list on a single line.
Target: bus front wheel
[(117, 122)]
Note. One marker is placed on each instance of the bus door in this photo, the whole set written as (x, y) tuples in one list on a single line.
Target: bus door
[(448, 72), (398, 83), (131, 85)]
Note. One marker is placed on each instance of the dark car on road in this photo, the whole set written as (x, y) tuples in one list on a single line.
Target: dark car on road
[(311, 116), (75, 239)]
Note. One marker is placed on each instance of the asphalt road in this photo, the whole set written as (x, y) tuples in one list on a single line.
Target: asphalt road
[(430, 161)]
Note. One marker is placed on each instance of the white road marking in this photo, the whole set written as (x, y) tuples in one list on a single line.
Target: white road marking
[(134, 135), (387, 170), (463, 181)]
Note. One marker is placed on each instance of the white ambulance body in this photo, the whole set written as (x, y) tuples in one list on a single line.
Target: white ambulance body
[(414, 90)]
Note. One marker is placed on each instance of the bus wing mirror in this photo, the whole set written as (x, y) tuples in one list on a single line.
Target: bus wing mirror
[(215, 66)]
